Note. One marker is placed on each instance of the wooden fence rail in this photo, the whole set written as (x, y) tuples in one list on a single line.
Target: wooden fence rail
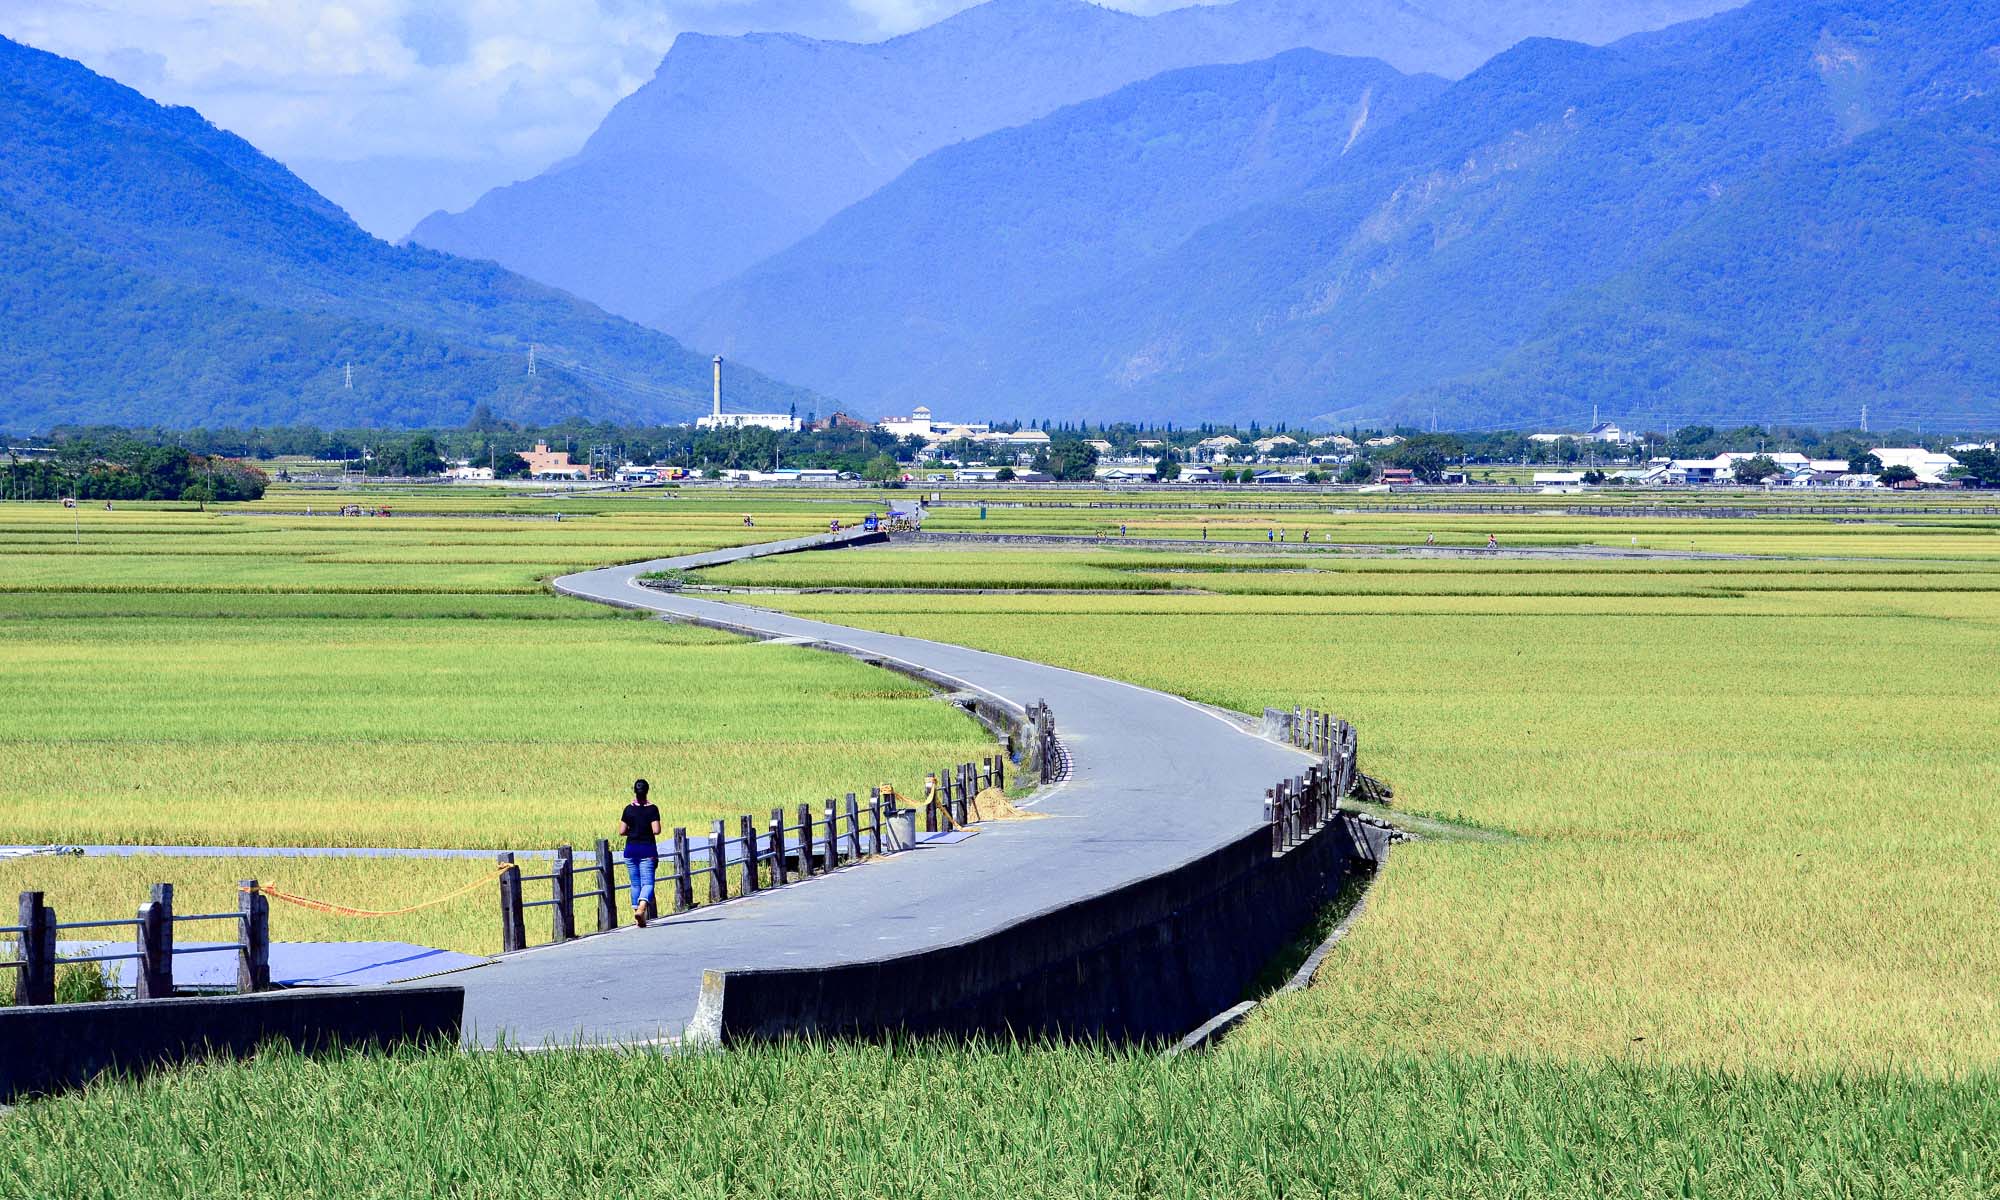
[(1298, 807), (38, 959), (750, 857)]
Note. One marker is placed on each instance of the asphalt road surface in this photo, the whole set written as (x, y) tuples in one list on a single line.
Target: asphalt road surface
[(1154, 781)]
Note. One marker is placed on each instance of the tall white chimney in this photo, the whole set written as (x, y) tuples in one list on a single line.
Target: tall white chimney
[(718, 385)]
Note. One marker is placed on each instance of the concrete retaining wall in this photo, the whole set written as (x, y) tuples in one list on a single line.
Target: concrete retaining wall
[(1147, 961), (48, 1048)]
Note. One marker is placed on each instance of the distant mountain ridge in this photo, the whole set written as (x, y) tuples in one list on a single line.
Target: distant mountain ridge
[(741, 146), (927, 271), (1778, 212), (157, 270)]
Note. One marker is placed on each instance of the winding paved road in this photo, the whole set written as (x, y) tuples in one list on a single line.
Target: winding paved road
[(1154, 781)]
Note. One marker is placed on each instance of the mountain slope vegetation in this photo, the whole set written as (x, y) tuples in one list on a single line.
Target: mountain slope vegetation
[(924, 271), (156, 270), (740, 146), (1765, 212)]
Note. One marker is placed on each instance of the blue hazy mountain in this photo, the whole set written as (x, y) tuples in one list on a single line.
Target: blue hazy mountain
[(740, 146), (1784, 209), (929, 270), (157, 270)]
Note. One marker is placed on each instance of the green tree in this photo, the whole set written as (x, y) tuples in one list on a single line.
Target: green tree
[(1166, 468), (510, 466), (1979, 468), (1004, 475), (1754, 471), (1358, 471), (201, 491), (1861, 462), (882, 469), (1898, 474), (1068, 458), (1427, 455)]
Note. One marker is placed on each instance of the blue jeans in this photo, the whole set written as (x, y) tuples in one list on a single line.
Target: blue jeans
[(641, 870)]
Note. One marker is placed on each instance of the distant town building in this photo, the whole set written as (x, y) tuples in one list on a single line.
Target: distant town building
[(841, 420), (780, 422), (465, 471), (922, 424), (544, 463), (1930, 466)]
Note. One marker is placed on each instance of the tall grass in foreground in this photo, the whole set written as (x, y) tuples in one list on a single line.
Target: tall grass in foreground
[(799, 1120)]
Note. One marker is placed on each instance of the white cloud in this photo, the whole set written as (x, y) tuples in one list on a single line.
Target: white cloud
[(356, 93)]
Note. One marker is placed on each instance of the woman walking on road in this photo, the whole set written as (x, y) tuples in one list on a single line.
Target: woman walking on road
[(639, 825)]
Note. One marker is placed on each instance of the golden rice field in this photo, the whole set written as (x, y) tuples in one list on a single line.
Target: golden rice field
[(183, 678), (1726, 928), (1750, 803)]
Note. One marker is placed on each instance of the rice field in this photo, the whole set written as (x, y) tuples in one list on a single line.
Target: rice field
[(1723, 778), (1735, 937), (184, 678), (924, 1121)]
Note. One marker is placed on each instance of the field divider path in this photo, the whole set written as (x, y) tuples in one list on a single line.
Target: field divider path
[(1154, 782)]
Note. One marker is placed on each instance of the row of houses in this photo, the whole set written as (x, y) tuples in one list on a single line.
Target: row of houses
[(1932, 468)]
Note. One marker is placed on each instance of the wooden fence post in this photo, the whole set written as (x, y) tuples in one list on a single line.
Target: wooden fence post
[(746, 877), (513, 926), (253, 964), (35, 978), (562, 890), (1271, 819), (718, 862), (961, 803), (683, 871), (830, 847), (156, 945), (874, 821), (1000, 771), (853, 827), (607, 895), (780, 869), (807, 863)]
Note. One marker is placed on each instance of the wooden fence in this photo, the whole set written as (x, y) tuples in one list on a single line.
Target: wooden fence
[(1298, 807), (37, 936), (748, 856)]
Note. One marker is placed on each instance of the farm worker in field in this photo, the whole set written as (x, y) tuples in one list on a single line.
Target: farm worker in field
[(1431, 540), (1121, 529), (1492, 542), (747, 522), (1204, 533), (639, 825)]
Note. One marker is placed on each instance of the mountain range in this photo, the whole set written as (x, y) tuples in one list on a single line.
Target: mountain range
[(1040, 208), (903, 297), (739, 147), (1779, 211), (157, 270)]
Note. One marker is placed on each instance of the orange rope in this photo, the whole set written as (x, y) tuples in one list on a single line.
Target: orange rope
[(341, 910)]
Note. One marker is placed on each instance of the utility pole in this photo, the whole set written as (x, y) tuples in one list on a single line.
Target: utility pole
[(349, 372), (1864, 418)]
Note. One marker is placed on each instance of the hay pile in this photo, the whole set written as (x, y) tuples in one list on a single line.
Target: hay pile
[(993, 805)]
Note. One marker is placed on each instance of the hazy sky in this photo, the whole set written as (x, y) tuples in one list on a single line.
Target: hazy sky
[(398, 107)]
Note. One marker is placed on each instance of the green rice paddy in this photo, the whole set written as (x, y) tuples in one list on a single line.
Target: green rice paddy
[(1734, 936)]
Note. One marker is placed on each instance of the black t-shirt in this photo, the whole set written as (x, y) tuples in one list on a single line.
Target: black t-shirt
[(639, 820)]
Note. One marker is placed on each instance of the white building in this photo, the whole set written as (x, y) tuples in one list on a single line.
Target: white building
[(916, 425), (781, 422), (467, 472), (922, 425), (1931, 467)]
